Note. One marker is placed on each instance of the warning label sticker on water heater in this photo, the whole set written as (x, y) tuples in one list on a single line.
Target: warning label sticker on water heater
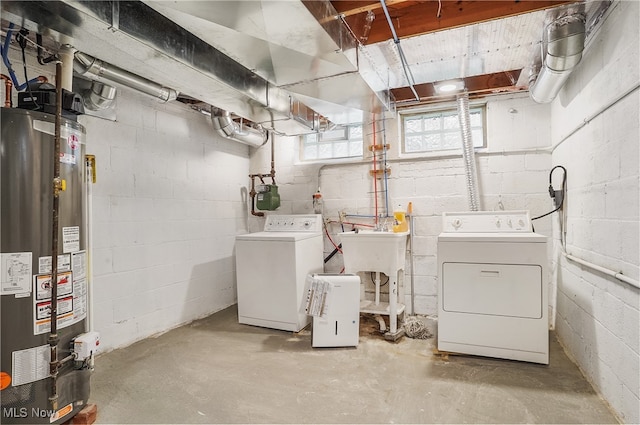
[(15, 272), (70, 239), (30, 365), (71, 296)]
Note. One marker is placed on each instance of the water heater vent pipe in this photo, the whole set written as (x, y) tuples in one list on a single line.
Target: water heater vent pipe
[(561, 52), (229, 129), (96, 69)]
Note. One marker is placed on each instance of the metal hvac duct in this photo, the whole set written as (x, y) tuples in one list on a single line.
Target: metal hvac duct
[(93, 68), (230, 129), (273, 53), (99, 96), (562, 46)]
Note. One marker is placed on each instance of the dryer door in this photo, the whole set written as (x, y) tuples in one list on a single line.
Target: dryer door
[(493, 289)]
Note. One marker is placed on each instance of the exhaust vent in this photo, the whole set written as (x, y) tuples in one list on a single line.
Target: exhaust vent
[(99, 96), (562, 46), (227, 128), (96, 69)]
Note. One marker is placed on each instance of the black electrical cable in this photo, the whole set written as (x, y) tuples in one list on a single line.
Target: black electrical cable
[(21, 38), (334, 252), (553, 193), (42, 60)]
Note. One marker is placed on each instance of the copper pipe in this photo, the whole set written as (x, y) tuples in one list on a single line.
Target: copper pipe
[(271, 175), (253, 194), (8, 85)]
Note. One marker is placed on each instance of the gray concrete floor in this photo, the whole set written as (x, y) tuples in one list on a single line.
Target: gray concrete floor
[(218, 371)]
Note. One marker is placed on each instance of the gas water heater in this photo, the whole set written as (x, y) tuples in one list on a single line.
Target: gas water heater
[(29, 392)]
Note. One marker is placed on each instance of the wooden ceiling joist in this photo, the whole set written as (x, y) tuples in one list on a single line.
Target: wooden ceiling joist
[(476, 85), (417, 17)]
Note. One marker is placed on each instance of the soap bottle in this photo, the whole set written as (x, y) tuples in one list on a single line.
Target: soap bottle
[(400, 220)]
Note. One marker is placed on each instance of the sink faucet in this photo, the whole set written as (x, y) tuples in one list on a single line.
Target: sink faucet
[(382, 225)]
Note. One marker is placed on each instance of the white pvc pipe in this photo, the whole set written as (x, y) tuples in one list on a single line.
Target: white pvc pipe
[(604, 270), (411, 230), (66, 54), (378, 288)]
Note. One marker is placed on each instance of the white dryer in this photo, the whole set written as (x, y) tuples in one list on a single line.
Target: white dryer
[(493, 285), (271, 268)]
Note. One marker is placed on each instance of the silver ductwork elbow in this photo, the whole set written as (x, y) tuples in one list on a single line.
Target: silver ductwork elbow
[(95, 69), (562, 48), (229, 129), (99, 96)]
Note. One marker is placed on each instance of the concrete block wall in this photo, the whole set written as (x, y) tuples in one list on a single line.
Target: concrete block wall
[(595, 127), (513, 172), (167, 207)]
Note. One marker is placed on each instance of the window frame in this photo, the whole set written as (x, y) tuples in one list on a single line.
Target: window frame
[(332, 142), (440, 109)]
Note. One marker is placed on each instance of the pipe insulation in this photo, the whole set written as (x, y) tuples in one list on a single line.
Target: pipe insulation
[(468, 153), (561, 51), (229, 129), (96, 69)]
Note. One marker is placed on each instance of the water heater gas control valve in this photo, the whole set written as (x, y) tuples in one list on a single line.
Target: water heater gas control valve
[(86, 345)]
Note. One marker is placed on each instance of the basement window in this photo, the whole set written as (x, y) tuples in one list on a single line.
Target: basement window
[(341, 142), (440, 130)]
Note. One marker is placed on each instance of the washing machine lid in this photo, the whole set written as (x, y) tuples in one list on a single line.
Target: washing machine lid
[(278, 236), (492, 237)]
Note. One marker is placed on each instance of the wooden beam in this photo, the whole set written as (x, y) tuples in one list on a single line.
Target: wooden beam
[(476, 85), (418, 17), (349, 8)]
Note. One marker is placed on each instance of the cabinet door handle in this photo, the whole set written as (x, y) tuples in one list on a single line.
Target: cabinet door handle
[(489, 273)]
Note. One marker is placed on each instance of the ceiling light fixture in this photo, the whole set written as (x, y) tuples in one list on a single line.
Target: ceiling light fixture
[(449, 86)]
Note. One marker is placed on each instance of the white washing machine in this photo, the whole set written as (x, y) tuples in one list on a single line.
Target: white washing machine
[(271, 268), (493, 284)]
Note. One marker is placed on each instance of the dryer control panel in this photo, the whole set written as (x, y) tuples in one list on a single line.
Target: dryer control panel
[(486, 222), (293, 223)]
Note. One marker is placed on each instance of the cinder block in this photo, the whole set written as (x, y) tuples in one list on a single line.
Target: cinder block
[(538, 162), (102, 261), (86, 416), (426, 305), (630, 402), (622, 199)]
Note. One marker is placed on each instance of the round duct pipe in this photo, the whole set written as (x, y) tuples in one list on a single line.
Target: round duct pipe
[(229, 129), (93, 68), (562, 50), (99, 97)]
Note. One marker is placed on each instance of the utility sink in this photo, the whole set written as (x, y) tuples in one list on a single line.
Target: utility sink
[(368, 250)]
